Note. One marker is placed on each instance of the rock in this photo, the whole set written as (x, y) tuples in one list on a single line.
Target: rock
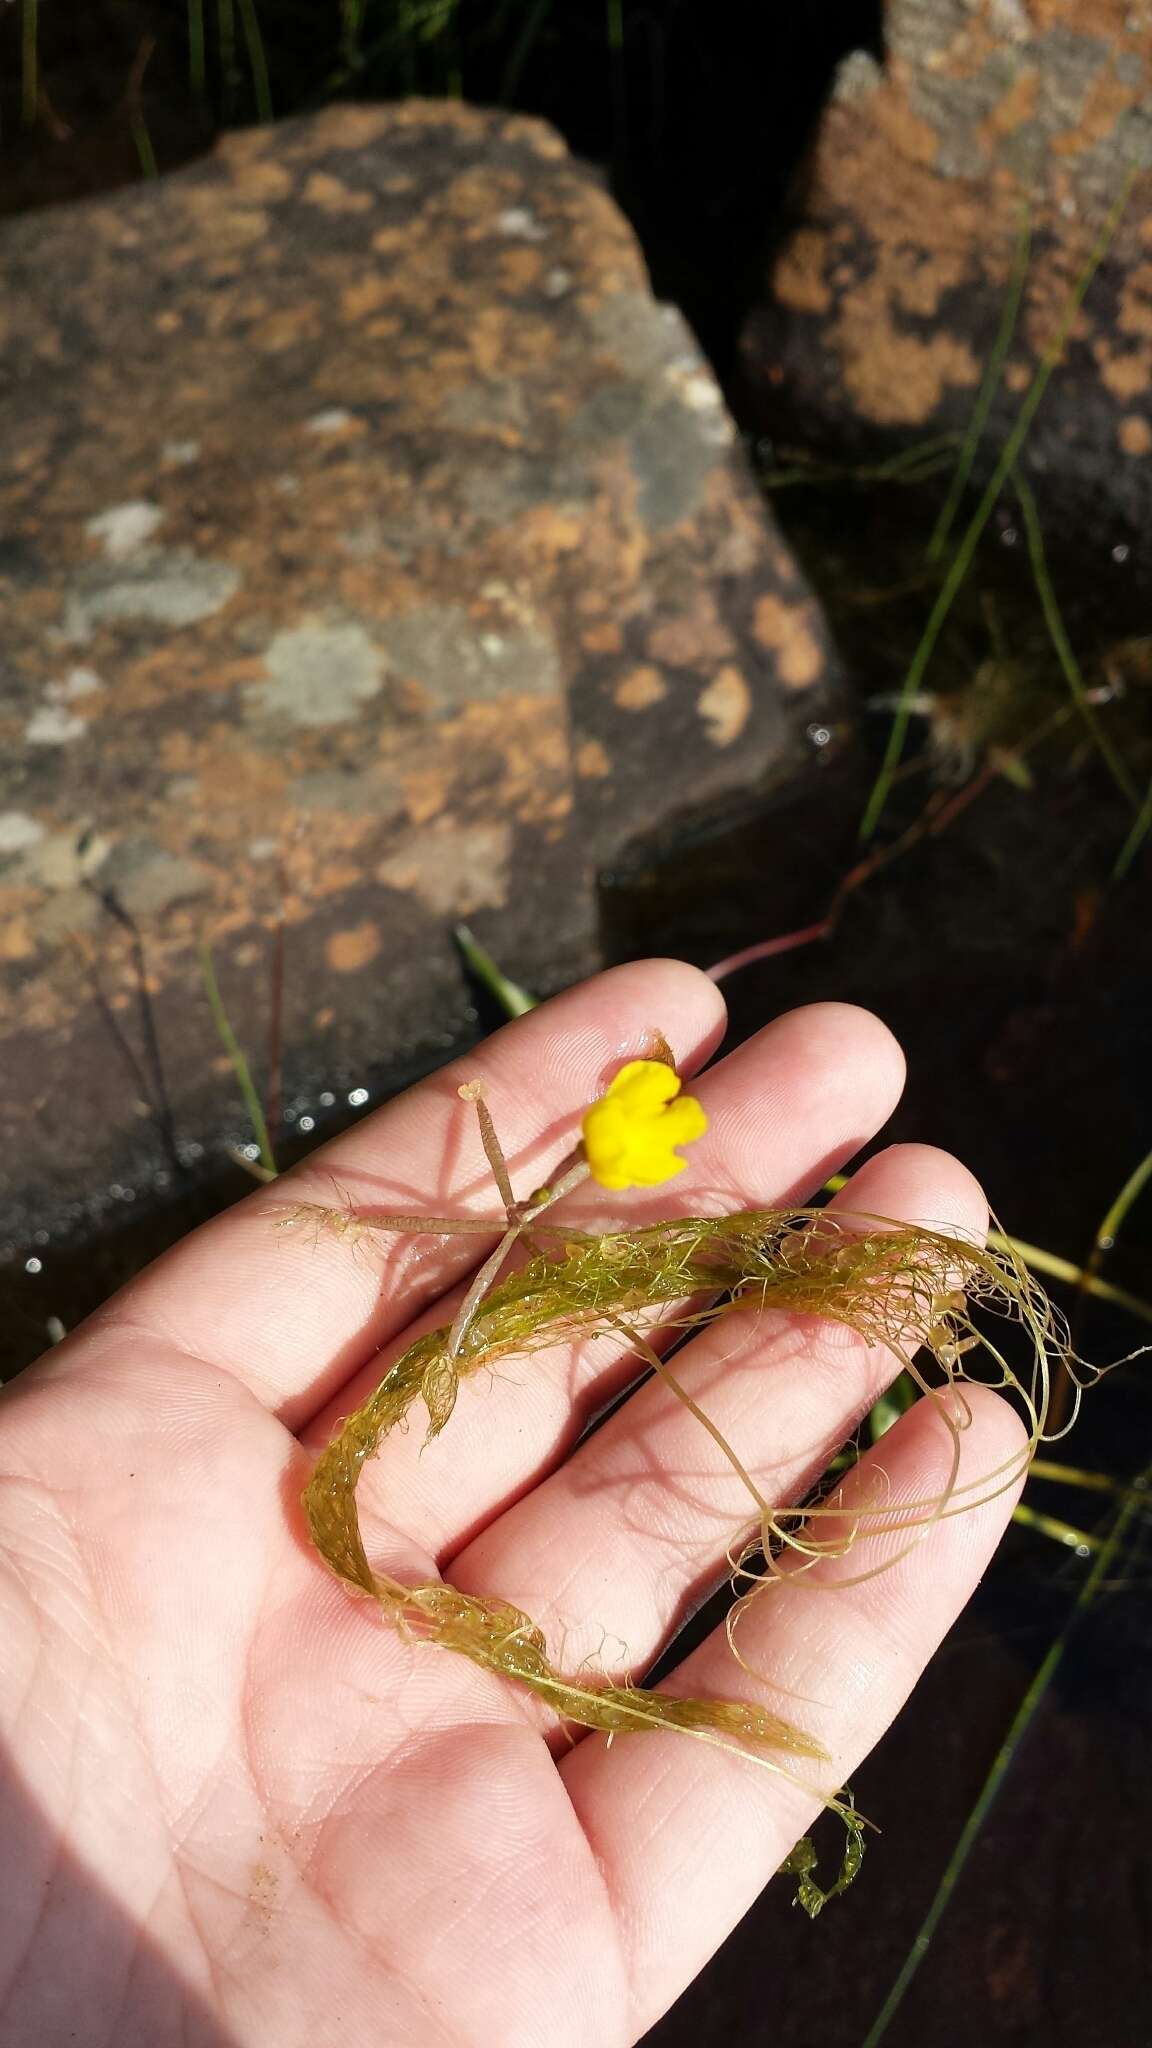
[(377, 552), (886, 299)]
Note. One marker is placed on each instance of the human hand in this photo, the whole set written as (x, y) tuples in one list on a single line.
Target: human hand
[(236, 1809)]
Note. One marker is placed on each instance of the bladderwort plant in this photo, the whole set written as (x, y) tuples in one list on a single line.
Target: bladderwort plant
[(930, 1297)]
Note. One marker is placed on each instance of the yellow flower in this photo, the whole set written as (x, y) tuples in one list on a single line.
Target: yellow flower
[(631, 1133)]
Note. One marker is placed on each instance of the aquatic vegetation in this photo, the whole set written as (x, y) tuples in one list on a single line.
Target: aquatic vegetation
[(930, 1297)]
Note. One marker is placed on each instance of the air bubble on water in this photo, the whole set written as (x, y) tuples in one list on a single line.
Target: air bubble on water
[(819, 735), (357, 1097), (326, 1099), (1121, 551), (307, 1123), (33, 1265)]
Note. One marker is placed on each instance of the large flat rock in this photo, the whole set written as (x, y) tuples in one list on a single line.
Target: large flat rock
[(376, 552)]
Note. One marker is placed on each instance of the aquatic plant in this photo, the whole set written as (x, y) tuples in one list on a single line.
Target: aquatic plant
[(924, 1295)]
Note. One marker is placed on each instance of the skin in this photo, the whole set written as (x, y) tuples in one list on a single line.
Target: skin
[(236, 1808)]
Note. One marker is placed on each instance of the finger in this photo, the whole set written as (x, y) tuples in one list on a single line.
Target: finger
[(291, 1313), (686, 1836), (801, 1096), (614, 1551)]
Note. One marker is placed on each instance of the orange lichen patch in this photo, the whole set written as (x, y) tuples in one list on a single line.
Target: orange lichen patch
[(261, 179), (1018, 376), (1135, 312), (285, 328), (388, 240), (519, 269), (1134, 434), (592, 762), (365, 296), (922, 276), (640, 688), (725, 706), (323, 190), (16, 941), (217, 225), (896, 378), (914, 137), (479, 194), (1125, 376), (351, 127), (786, 631), (346, 952), (697, 635), (425, 793), (800, 279), (603, 638), (553, 531), (1017, 106)]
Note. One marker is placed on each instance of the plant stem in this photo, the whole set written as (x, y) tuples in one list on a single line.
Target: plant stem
[(1061, 643), (256, 58), (1131, 845), (989, 385), (513, 1000), (962, 560), (240, 1067)]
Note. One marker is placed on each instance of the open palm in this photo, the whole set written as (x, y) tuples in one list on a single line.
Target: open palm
[(237, 1809)]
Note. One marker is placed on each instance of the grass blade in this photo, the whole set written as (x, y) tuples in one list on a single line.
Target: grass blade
[(989, 385), (254, 43), (240, 1067), (1073, 675), (513, 1000), (1131, 845), (962, 559)]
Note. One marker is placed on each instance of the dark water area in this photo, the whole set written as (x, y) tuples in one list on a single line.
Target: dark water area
[(1015, 972)]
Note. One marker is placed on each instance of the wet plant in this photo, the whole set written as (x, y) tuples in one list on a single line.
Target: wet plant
[(932, 1298)]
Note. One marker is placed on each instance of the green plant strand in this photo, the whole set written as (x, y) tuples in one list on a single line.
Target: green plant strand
[(1076, 1475), (513, 1000), (1113, 1222), (254, 42), (143, 142), (521, 50), (989, 385), (1073, 675), (1022, 1720), (923, 459), (226, 33), (240, 1067), (965, 552), (1132, 844)]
